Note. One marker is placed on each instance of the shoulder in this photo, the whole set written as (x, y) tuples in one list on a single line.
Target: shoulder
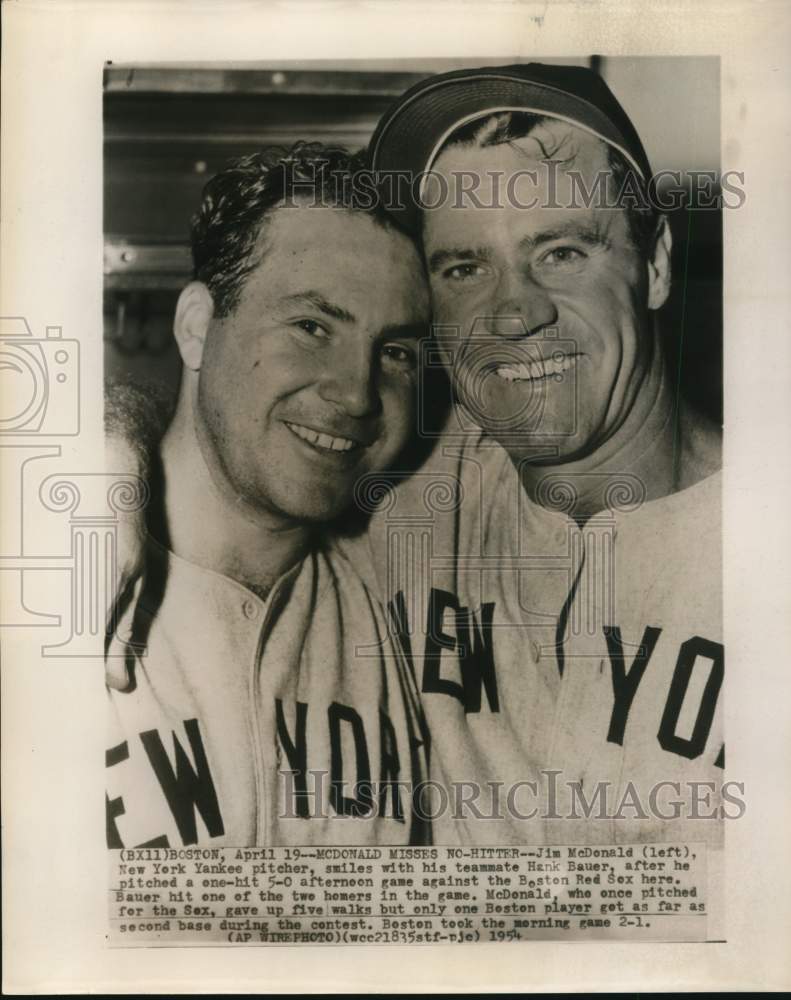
[(685, 517), (350, 558), (669, 558)]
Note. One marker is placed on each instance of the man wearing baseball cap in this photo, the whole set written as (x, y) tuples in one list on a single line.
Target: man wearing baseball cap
[(553, 570), (572, 649)]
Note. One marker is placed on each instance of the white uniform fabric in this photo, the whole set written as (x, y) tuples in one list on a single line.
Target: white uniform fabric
[(524, 632), (228, 691)]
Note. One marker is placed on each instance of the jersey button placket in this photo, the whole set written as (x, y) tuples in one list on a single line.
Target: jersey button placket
[(252, 613)]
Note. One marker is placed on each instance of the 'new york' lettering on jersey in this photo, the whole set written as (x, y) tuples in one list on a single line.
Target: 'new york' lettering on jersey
[(538, 646), (293, 720)]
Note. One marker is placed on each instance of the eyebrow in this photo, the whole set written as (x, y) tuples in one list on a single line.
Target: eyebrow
[(318, 301), (410, 331), (585, 234)]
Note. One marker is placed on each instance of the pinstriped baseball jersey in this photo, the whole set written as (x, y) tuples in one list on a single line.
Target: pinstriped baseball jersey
[(285, 721)]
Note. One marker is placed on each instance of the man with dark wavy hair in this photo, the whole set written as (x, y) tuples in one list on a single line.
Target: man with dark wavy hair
[(568, 649), (259, 698)]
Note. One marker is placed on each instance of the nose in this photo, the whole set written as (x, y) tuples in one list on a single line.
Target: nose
[(349, 383), (521, 307)]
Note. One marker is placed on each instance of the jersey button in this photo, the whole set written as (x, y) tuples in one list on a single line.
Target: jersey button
[(535, 651), (249, 609)]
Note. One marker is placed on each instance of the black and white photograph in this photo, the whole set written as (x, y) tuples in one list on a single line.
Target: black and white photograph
[(445, 423)]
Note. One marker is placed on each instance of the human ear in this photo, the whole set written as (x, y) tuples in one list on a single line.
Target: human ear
[(659, 266), (194, 312)]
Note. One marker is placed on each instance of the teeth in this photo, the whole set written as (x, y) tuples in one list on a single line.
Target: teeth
[(532, 370), (322, 440)]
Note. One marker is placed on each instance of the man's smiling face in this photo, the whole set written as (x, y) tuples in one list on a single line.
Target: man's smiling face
[(550, 303), (310, 382)]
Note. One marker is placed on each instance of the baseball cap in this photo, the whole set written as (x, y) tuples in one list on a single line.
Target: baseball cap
[(411, 133)]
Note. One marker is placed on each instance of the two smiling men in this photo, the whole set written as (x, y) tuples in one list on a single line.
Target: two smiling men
[(554, 625)]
